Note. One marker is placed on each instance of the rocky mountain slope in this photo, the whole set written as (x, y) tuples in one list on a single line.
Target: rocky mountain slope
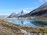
[(38, 11), (21, 14)]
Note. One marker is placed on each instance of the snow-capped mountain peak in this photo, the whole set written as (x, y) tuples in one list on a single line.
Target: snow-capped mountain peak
[(25, 11)]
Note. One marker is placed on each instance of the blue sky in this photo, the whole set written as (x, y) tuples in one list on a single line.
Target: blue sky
[(9, 6)]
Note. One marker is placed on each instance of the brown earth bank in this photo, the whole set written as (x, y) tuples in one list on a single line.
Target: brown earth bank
[(7, 28)]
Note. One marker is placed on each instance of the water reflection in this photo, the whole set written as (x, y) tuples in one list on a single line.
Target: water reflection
[(28, 22), (22, 21), (39, 23)]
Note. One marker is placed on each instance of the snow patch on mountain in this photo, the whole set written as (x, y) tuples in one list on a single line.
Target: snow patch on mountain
[(26, 11)]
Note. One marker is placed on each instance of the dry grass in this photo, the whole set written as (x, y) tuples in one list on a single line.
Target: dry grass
[(7, 28)]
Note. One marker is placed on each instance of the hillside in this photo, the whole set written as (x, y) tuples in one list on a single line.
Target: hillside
[(7, 28), (38, 11)]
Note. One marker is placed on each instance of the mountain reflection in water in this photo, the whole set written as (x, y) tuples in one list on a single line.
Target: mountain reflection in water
[(28, 22)]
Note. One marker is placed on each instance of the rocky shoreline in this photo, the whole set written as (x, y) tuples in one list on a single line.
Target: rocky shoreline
[(7, 28)]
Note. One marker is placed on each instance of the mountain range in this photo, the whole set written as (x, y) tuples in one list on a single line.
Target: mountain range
[(39, 11), (42, 10), (21, 14)]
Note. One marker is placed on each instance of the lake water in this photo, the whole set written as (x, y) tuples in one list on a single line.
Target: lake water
[(27, 22)]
